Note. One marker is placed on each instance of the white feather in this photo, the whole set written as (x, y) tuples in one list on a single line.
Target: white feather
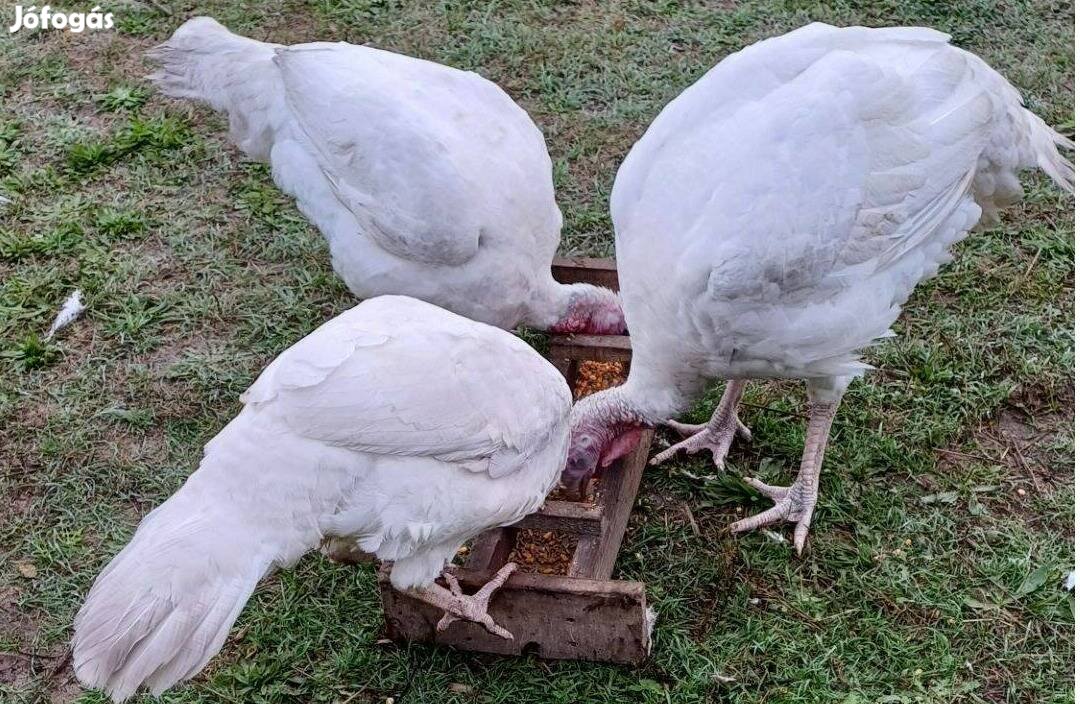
[(73, 307), (774, 536)]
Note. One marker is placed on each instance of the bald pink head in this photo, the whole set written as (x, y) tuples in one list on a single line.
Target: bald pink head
[(591, 310), (601, 432)]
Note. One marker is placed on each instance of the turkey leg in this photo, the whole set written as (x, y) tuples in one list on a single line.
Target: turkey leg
[(716, 435), (461, 606), (796, 503)]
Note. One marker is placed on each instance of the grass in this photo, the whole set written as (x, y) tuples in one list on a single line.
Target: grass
[(945, 524)]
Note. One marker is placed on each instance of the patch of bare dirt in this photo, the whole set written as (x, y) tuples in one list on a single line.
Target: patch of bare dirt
[(1031, 440), (1028, 438), (125, 447), (103, 58), (19, 432), (24, 663)]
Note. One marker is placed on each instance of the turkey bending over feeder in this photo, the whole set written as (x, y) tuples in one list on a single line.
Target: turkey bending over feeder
[(776, 215), (425, 180), (396, 425)]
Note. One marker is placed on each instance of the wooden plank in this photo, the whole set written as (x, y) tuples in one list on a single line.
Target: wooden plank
[(602, 348), (566, 517), (586, 270), (595, 555), (491, 549), (552, 617), (572, 369), (606, 264)]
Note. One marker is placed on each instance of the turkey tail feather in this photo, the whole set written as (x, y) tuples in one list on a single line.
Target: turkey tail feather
[(204, 61), (1020, 140), (164, 606), (1045, 141)]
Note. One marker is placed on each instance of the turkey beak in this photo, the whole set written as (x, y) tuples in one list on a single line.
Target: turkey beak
[(576, 476), (577, 488)]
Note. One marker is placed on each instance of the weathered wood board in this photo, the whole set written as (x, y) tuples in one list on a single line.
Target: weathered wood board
[(561, 618), (586, 270)]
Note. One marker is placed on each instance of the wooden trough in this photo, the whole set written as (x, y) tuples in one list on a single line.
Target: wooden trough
[(584, 615)]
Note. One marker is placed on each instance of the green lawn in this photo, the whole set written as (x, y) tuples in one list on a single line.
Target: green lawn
[(945, 525)]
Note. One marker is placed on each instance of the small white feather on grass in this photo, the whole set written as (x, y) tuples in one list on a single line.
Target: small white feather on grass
[(774, 536), (72, 309)]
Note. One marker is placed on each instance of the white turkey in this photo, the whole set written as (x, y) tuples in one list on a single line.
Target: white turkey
[(397, 425), (425, 180), (776, 215)]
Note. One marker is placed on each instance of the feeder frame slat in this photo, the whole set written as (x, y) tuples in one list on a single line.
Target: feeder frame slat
[(618, 485), (585, 270), (565, 516), (491, 549), (601, 348), (554, 617)]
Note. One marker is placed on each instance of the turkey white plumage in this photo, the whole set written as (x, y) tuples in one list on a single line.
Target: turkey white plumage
[(425, 180), (777, 214), (396, 425)]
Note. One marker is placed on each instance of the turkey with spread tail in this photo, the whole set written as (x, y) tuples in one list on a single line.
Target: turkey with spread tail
[(778, 213), (397, 425), (425, 180)]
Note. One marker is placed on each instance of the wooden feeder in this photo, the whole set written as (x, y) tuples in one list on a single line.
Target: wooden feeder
[(584, 615)]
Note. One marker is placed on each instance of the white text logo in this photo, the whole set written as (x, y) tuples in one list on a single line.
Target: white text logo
[(45, 18)]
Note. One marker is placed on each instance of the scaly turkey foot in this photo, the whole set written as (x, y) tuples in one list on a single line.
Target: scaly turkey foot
[(703, 437), (793, 503), (796, 503), (475, 607), (716, 435)]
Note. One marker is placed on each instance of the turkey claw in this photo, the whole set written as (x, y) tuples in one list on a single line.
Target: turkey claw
[(475, 608)]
